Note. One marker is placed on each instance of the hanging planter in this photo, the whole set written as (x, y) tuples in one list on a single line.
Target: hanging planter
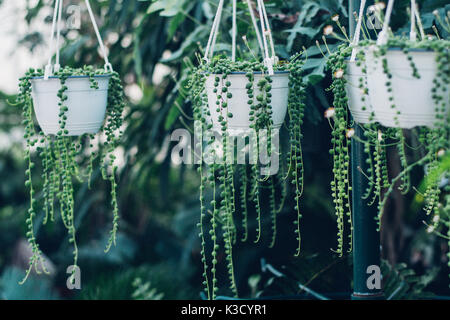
[(86, 104), (387, 85), (405, 76), (233, 100), (238, 105), (71, 107), (355, 78), (86, 91), (228, 87)]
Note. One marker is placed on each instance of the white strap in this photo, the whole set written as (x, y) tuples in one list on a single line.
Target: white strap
[(267, 61), (255, 25), (262, 40), (268, 30), (108, 66), (214, 30), (57, 14), (412, 33), (57, 66), (419, 21), (357, 35), (48, 67), (234, 33), (384, 34), (216, 33)]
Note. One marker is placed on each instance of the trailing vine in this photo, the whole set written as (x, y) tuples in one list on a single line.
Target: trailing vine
[(433, 140), (219, 163), (340, 186), (60, 153)]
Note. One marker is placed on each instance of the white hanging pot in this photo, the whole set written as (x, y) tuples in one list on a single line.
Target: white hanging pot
[(238, 106), (361, 111), (412, 96), (86, 105)]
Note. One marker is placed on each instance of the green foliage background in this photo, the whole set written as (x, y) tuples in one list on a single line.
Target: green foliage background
[(158, 201)]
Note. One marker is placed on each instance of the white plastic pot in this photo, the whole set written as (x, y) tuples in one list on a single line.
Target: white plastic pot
[(355, 95), (87, 106), (238, 106), (412, 96)]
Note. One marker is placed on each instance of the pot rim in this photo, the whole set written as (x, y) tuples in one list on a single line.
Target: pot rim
[(410, 49), (400, 49), (254, 72), (73, 77), (396, 49)]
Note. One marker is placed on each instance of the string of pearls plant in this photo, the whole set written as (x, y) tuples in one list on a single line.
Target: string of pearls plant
[(62, 158), (433, 141), (241, 186)]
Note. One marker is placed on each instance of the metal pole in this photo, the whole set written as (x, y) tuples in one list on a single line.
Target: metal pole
[(366, 238)]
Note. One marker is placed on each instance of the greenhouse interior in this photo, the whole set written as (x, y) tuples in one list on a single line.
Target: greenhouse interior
[(221, 151)]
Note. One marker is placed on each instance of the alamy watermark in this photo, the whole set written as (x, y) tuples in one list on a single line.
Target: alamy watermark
[(74, 17), (74, 280), (373, 21), (243, 146), (374, 280), (72, 20)]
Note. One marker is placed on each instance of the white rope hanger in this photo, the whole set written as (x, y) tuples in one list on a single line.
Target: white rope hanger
[(48, 67), (412, 33), (57, 66), (419, 21), (357, 35), (267, 60), (264, 37), (255, 25), (57, 17), (213, 34), (234, 32), (384, 34), (108, 65)]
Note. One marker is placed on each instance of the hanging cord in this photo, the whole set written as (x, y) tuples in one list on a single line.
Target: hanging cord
[(57, 14), (269, 33), (57, 66), (234, 33), (384, 34), (419, 21), (267, 61), (48, 67), (108, 66), (213, 45), (412, 33), (213, 34), (265, 28), (357, 35), (255, 25)]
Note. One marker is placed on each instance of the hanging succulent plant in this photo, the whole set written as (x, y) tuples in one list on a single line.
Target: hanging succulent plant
[(239, 106), (389, 86), (72, 107), (61, 154), (212, 87)]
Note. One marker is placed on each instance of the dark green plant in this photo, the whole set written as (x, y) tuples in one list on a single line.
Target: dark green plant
[(221, 170), (153, 191), (155, 282), (144, 291), (60, 153), (35, 288), (434, 141), (401, 282)]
